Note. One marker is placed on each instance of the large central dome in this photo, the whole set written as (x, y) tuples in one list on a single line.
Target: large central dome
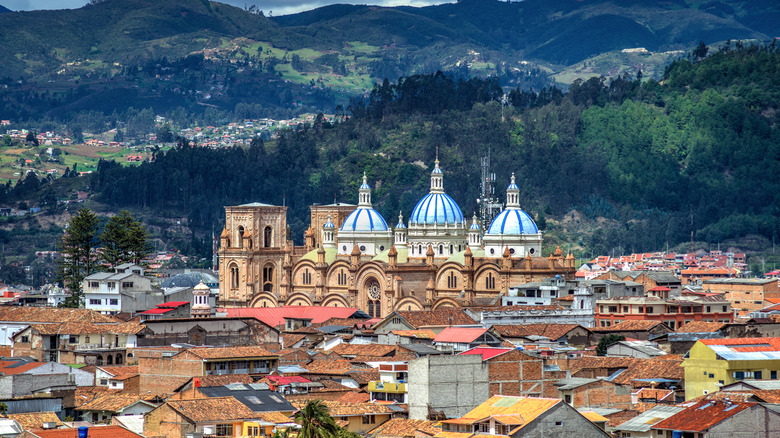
[(436, 208)]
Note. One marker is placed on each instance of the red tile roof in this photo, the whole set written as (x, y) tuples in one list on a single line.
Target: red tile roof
[(702, 416), (14, 367), (460, 334), (746, 344), (487, 352), (94, 432), (274, 316), (286, 380)]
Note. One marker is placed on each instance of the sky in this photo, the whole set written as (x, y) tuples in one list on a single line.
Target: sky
[(276, 7)]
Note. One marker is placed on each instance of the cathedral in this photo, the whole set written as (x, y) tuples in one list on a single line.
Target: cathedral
[(352, 258)]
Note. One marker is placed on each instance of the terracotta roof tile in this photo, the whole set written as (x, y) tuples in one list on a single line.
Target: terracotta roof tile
[(12, 367), (81, 328), (354, 397), (552, 331), (337, 409), (330, 367), (700, 327), (417, 334), (631, 325), (122, 372), (373, 350), (275, 417), (53, 315), (439, 317), (225, 379), (35, 420), (230, 352), (702, 415), (292, 338), (94, 432), (212, 409), (403, 428), (109, 402)]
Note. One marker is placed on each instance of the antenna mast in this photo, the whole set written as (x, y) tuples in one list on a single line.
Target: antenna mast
[(489, 206)]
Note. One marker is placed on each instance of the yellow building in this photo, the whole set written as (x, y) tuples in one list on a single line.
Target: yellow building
[(713, 363)]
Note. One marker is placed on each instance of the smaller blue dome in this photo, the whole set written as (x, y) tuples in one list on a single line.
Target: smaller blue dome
[(364, 219), (400, 225), (329, 224), (475, 226), (436, 170), (513, 222), (513, 186)]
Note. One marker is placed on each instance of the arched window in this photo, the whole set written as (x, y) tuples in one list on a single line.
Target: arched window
[(451, 248), (374, 293), (268, 278), (490, 281), (234, 277), (306, 276), (342, 278), (109, 360), (267, 237), (240, 236), (118, 360), (100, 360), (452, 280), (441, 249)]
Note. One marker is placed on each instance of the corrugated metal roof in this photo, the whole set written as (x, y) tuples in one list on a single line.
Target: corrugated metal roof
[(644, 421)]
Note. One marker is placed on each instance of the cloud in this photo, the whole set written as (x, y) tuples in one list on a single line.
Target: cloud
[(279, 7)]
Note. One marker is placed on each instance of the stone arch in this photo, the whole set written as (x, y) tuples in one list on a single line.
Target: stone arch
[(264, 299), (371, 285), (299, 299), (445, 302), (240, 237), (337, 275), (449, 277), (267, 276), (304, 274), (268, 236), (234, 274), (335, 300), (487, 278), (408, 303)]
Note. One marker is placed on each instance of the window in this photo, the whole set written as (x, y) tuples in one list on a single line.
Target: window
[(758, 375), (567, 398), (490, 281), (708, 309), (649, 309), (306, 276), (452, 280), (127, 284), (234, 277), (111, 284), (773, 375), (369, 419), (104, 382), (26, 339), (342, 278), (253, 430), (73, 339), (613, 309), (559, 423), (625, 309), (94, 285), (224, 430), (95, 301), (114, 301), (724, 308)]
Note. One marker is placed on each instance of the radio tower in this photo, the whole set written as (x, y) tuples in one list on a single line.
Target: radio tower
[(489, 206)]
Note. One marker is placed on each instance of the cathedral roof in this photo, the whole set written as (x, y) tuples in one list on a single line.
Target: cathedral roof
[(513, 221), (460, 257), (436, 208), (401, 257), (364, 219), (330, 255)]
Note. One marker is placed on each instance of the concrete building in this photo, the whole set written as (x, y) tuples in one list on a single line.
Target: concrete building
[(124, 290), (745, 294), (451, 384)]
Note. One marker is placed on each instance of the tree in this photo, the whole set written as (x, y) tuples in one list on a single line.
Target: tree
[(164, 134), (606, 342), (124, 239), (315, 421), (78, 256)]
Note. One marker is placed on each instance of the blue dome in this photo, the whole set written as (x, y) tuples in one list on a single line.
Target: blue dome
[(474, 226), (513, 222), (436, 208), (329, 224), (364, 219)]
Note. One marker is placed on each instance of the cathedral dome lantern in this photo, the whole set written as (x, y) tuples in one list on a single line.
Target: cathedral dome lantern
[(475, 232), (329, 234)]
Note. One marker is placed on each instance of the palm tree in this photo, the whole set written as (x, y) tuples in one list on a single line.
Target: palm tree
[(315, 421)]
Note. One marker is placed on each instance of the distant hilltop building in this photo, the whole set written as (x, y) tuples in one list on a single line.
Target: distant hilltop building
[(352, 257)]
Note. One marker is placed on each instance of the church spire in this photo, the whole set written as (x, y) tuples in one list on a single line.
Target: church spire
[(513, 194), (365, 193), (437, 176)]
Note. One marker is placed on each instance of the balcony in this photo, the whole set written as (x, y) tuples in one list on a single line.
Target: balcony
[(379, 386)]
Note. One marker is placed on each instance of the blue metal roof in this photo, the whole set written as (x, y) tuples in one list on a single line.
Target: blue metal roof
[(364, 219), (436, 208), (513, 221)]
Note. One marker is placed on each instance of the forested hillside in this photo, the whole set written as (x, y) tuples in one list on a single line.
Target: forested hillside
[(697, 152)]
